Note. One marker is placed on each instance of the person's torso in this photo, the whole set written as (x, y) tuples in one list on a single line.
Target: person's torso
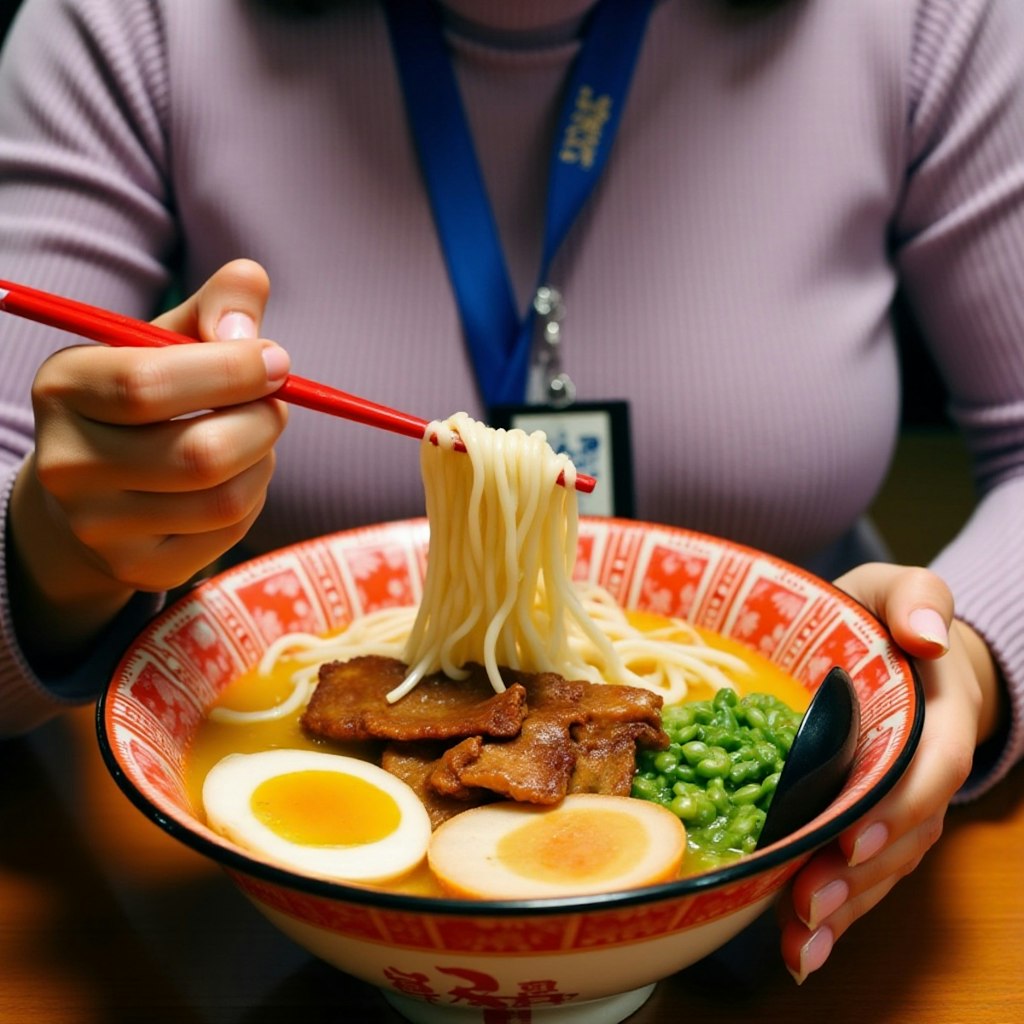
[(729, 275)]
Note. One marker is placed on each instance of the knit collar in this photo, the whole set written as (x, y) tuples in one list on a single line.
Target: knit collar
[(516, 24)]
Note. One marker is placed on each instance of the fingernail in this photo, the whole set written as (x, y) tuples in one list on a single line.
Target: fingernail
[(235, 325), (930, 626), (871, 841), (826, 901), (277, 362), (814, 952)]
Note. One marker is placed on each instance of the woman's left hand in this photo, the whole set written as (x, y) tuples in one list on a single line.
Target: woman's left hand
[(847, 878)]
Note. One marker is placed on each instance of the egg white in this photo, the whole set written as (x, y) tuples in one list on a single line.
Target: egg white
[(465, 852), (227, 796)]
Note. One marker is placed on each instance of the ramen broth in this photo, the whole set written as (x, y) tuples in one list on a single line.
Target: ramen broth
[(215, 740)]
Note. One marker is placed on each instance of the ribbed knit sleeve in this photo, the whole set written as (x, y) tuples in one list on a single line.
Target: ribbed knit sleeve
[(961, 257), (84, 210)]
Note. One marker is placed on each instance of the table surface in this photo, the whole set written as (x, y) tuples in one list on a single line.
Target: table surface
[(104, 918)]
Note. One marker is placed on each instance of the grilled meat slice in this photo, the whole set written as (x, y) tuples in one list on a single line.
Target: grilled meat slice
[(606, 755), (349, 703), (413, 763)]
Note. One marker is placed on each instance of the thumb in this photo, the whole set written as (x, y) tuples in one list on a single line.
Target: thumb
[(228, 306), (915, 604)]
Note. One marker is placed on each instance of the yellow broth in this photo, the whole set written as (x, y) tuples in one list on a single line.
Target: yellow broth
[(251, 691)]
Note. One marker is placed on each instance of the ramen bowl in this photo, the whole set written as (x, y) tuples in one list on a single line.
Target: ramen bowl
[(592, 959)]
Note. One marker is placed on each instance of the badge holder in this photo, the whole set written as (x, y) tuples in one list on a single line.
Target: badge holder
[(595, 435)]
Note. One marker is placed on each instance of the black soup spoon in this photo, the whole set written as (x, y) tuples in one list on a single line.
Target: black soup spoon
[(819, 759)]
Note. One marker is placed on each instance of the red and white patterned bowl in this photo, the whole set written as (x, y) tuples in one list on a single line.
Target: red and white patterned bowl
[(593, 958)]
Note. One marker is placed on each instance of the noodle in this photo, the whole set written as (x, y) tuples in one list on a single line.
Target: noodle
[(498, 589)]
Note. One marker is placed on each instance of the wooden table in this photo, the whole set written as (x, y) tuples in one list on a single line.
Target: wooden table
[(104, 919)]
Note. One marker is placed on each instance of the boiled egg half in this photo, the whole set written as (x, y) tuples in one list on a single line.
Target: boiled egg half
[(318, 813), (588, 843)]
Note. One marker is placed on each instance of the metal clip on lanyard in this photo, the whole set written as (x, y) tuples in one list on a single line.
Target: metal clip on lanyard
[(498, 338), (550, 384)]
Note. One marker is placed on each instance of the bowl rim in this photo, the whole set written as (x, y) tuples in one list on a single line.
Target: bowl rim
[(789, 849)]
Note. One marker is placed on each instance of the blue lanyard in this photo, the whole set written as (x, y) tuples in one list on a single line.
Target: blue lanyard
[(498, 338)]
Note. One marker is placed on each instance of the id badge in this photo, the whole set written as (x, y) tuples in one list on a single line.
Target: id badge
[(595, 435)]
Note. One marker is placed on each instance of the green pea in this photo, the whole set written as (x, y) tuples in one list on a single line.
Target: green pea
[(686, 733), (706, 811), (647, 789), (725, 698), (703, 713), (678, 716), (747, 794), (714, 765), (742, 771), (784, 738), (756, 718), (717, 794), (720, 736), (747, 821), (694, 751), (684, 807)]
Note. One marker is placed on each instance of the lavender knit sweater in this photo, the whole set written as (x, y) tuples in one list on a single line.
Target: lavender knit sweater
[(775, 179)]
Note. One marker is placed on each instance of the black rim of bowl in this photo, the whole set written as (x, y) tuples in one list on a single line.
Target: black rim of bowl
[(771, 857)]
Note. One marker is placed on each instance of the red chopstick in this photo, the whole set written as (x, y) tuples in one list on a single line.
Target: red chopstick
[(114, 329)]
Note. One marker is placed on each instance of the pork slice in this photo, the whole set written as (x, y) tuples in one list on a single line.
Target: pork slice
[(534, 768), (606, 755), (413, 763), (349, 703), (614, 703)]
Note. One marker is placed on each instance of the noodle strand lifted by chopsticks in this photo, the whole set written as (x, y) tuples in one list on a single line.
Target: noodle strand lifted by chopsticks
[(498, 588)]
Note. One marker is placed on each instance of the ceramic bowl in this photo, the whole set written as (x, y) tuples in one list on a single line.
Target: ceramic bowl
[(591, 959)]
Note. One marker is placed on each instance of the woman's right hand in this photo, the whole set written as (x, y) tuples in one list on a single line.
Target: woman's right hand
[(149, 463)]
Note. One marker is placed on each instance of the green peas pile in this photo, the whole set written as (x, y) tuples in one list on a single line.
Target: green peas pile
[(720, 771)]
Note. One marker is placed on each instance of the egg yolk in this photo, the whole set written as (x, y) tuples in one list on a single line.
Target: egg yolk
[(590, 845), (318, 808)]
